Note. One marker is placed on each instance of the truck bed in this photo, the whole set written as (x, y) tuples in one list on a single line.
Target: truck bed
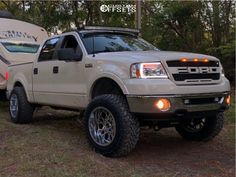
[(24, 70)]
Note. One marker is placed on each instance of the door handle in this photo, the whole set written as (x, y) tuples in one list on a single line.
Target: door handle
[(55, 69), (36, 71)]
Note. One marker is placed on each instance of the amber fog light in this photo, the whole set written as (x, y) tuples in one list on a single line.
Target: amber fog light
[(163, 104), (228, 100)]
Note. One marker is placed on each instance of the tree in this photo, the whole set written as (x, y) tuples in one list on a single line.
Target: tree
[(196, 26)]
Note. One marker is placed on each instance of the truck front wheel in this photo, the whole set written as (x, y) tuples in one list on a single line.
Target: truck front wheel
[(111, 129), (201, 129), (21, 111)]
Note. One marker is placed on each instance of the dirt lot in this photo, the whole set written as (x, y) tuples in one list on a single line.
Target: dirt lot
[(55, 145)]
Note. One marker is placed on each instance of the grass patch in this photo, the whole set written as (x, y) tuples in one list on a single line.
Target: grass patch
[(3, 106), (55, 145), (230, 114)]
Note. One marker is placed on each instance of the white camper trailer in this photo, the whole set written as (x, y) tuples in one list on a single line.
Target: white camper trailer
[(19, 42)]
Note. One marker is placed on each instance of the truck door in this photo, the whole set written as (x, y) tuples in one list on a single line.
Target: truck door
[(60, 83), (43, 76), (69, 78)]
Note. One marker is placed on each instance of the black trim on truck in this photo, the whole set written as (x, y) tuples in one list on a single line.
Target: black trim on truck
[(165, 120), (177, 63), (4, 60), (183, 77), (21, 64)]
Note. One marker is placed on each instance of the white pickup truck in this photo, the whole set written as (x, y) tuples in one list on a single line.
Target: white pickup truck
[(121, 82)]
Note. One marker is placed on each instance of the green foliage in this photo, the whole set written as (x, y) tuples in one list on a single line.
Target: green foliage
[(226, 53), (230, 114), (197, 26)]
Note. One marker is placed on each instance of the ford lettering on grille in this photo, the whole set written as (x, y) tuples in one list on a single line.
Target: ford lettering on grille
[(194, 72), (198, 70)]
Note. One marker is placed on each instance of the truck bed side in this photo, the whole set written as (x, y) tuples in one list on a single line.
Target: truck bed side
[(21, 75)]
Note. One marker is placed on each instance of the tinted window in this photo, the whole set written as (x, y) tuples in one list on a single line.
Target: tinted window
[(20, 47), (69, 42), (110, 42), (48, 49)]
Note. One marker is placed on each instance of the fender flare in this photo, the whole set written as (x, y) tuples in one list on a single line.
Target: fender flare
[(111, 76)]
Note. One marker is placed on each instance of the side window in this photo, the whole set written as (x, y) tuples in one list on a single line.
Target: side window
[(48, 49), (71, 42)]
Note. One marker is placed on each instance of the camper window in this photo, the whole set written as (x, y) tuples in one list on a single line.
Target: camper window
[(20, 47)]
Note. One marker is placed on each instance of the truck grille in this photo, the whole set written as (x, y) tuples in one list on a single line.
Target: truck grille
[(183, 77), (194, 72)]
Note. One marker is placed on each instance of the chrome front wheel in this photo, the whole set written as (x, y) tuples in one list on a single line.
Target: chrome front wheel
[(202, 129), (102, 126), (195, 125), (111, 129)]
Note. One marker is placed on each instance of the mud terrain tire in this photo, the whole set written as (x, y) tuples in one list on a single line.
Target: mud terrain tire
[(21, 111), (126, 126), (212, 127)]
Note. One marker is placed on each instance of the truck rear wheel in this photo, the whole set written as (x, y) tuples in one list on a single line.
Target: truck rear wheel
[(111, 129), (21, 111), (203, 129)]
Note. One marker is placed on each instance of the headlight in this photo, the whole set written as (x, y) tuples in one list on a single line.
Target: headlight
[(147, 70)]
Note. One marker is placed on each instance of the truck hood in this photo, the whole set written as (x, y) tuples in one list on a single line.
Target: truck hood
[(149, 56)]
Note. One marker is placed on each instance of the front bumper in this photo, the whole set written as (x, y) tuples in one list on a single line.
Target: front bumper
[(180, 104)]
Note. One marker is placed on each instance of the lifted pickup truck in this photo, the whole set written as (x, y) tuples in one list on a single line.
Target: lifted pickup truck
[(121, 82)]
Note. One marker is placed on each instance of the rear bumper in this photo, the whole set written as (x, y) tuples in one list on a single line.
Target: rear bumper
[(180, 104)]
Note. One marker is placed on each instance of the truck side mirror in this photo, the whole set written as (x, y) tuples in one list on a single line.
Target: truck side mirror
[(68, 54)]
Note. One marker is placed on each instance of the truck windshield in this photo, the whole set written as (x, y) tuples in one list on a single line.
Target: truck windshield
[(20, 47), (114, 42)]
